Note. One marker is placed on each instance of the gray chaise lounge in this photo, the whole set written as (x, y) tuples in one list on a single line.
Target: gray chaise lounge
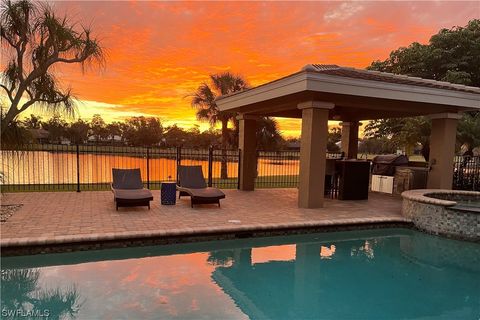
[(128, 190), (192, 183)]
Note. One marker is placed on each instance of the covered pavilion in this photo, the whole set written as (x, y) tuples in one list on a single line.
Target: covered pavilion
[(319, 93)]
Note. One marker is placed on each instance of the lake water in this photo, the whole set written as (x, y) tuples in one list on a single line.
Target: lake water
[(42, 167)]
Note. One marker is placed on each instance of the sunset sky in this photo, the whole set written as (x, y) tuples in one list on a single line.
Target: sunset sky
[(159, 52)]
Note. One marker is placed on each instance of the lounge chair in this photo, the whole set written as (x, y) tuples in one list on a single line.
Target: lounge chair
[(128, 190), (191, 183)]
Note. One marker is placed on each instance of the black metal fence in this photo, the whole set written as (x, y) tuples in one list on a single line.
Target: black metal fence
[(280, 169), (50, 167), (466, 173), (47, 167)]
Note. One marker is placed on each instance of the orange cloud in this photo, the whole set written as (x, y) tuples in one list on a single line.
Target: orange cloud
[(159, 52)]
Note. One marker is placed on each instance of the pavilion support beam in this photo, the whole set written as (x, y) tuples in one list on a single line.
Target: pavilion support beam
[(242, 258), (247, 144), (300, 278), (350, 139), (442, 150), (313, 147)]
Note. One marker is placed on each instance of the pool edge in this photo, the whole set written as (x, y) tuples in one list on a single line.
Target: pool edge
[(188, 236)]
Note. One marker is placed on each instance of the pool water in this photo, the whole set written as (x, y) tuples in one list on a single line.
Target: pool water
[(371, 274)]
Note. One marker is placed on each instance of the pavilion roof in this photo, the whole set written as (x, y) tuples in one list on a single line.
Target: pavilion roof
[(371, 75)]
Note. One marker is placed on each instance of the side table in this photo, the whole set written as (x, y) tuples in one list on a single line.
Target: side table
[(168, 193)]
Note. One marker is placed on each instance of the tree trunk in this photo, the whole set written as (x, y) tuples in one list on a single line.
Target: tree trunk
[(224, 166), (9, 117)]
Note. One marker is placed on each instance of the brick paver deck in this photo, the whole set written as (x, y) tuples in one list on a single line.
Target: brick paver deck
[(60, 217)]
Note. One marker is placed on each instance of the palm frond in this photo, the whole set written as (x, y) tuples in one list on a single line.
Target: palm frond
[(203, 99)]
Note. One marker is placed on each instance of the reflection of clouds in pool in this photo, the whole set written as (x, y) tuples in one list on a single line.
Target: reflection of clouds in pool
[(153, 287)]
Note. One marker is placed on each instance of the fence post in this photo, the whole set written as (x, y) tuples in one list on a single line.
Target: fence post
[(210, 165), (78, 167), (179, 159), (238, 169), (148, 167)]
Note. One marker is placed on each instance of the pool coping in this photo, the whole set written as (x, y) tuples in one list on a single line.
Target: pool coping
[(57, 244), (422, 195), (446, 218)]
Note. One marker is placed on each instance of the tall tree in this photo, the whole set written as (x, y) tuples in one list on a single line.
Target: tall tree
[(98, 128), (204, 101), (77, 132), (468, 131), (374, 145), (33, 122), (15, 136), (35, 39), (114, 129), (175, 136), (57, 128), (402, 132), (268, 135), (142, 131), (451, 55), (334, 136)]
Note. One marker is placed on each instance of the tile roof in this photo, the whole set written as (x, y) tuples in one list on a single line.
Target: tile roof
[(370, 75), (332, 69)]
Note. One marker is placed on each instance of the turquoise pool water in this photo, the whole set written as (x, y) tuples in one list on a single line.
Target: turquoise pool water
[(375, 274)]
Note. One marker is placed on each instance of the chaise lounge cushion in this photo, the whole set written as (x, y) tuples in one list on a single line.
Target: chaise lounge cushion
[(133, 194), (212, 193)]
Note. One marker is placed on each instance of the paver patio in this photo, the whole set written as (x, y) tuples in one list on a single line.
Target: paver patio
[(61, 217)]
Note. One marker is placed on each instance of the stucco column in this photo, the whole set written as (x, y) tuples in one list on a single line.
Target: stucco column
[(442, 150), (313, 148), (350, 139), (247, 143)]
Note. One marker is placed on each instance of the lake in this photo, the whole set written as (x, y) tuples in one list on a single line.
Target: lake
[(45, 167)]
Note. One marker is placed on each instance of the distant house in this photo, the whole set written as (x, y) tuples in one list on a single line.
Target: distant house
[(39, 135), (65, 141), (115, 139)]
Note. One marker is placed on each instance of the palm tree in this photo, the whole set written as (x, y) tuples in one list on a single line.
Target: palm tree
[(22, 291), (204, 101), (269, 137)]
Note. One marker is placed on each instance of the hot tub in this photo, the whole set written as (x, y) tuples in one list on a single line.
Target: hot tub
[(450, 213)]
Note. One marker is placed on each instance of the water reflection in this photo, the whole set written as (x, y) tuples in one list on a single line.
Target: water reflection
[(24, 297), (42, 167), (359, 279), (365, 250), (327, 252), (374, 274)]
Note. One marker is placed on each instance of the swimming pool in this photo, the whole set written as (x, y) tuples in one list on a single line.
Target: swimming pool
[(383, 273)]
